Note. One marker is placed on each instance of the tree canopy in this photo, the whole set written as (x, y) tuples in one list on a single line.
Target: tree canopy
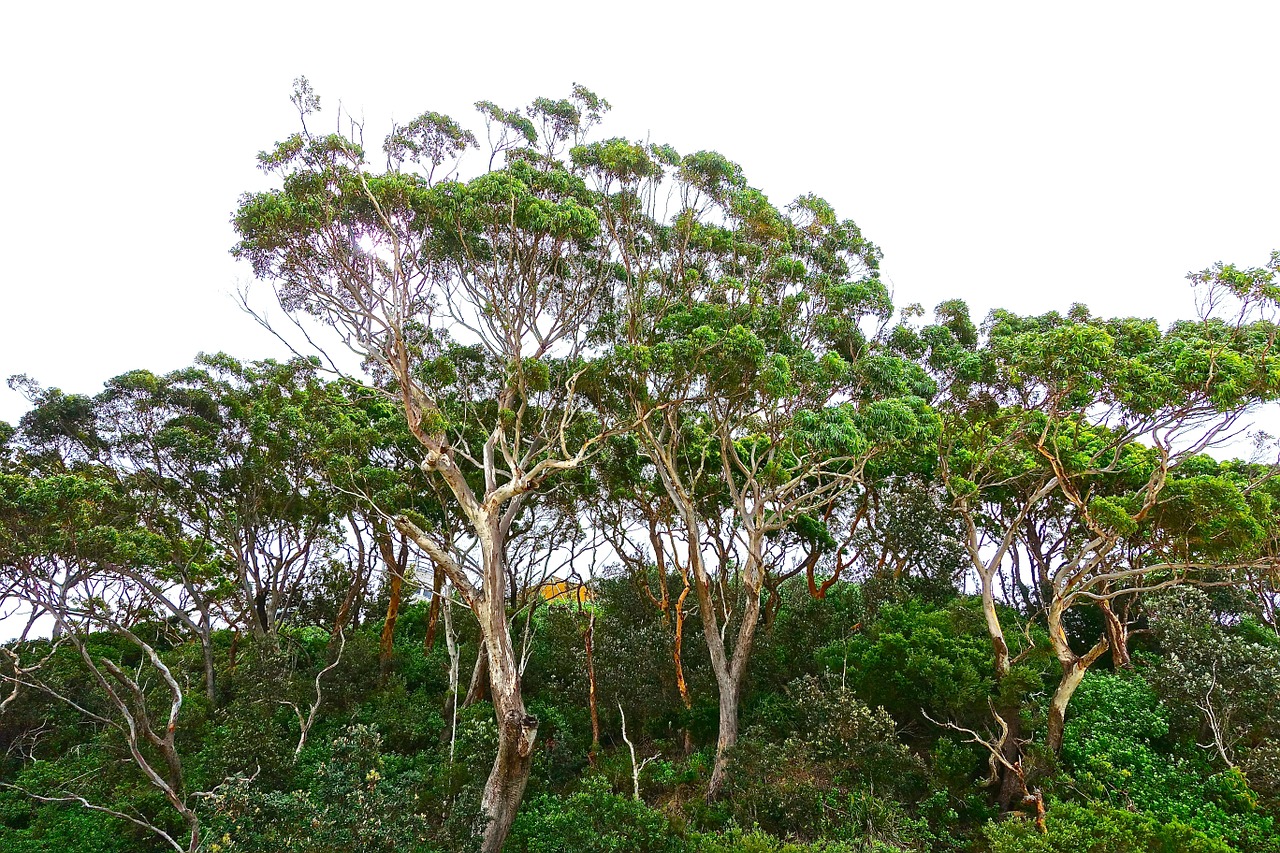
[(646, 523)]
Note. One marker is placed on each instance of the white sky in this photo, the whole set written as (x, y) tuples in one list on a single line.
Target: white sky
[(1026, 155)]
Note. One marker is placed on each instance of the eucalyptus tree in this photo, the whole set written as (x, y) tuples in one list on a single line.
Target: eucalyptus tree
[(747, 350), (469, 296), (219, 451), (62, 535), (634, 516), (1062, 436), (215, 460)]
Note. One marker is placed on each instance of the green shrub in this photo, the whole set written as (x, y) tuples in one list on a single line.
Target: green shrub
[(593, 819), (1098, 828), (1117, 747), (355, 802)]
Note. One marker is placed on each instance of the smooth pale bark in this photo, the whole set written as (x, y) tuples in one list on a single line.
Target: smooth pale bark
[(451, 644), (1074, 668), (730, 671), (999, 646), (987, 567), (1011, 783), (517, 728)]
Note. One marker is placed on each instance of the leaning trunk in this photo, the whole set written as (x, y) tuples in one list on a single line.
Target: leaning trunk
[(1074, 668), (479, 677), (1071, 677), (999, 648)]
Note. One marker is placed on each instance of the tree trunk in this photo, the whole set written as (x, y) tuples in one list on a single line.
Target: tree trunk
[(395, 567), (206, 650), (479, 678), (1074, 668), (433, 615), (505, 786), (1012, 788), (591, 686), (388, 637), (730, 679), (1117, 636), (999, 647), (346, 609), (517, 728), (1071, 678), (677, 650), (727, 740)]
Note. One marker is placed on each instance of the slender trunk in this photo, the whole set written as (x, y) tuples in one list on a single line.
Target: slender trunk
[(677, 649), (343, 617), (1117, 636), (206, 649), (999, 648), (59, 627), (357, 606), (479, 683), (591, 686), (395, 567), (235, 647), (1012, 786), (359, 577), (433, 615), (451, 704), (387, 641)]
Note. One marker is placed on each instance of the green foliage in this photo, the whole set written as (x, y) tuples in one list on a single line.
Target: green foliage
[(353, 802), (916, 658), (717, 367), (591, 819), (804, 777), (1099, 828), (1117, 748)]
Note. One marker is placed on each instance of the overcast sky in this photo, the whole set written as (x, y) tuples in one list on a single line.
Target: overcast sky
[(1025, 155)]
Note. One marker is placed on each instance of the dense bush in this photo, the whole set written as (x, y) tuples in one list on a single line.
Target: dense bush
[(837, 758), (1099, 828)]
